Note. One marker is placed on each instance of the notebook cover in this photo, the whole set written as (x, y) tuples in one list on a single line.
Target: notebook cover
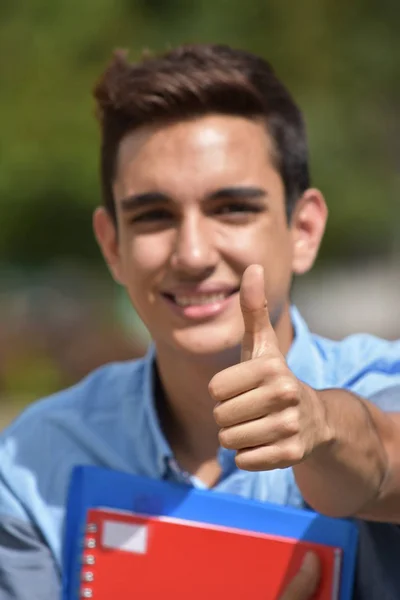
[(92, 487), (161, 557)]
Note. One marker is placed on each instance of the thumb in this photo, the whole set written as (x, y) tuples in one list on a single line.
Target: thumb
[(306, 580), (258, 331)]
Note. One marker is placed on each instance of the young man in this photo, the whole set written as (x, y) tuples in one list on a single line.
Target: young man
[(208, 213)]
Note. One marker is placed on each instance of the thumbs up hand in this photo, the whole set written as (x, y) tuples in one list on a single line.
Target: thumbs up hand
[(265, 413)]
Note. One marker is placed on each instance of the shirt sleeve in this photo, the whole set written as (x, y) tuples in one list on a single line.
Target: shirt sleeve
[(27, 567), (387, 399)]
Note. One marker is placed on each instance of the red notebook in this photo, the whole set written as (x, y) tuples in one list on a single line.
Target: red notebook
[(127, 555)]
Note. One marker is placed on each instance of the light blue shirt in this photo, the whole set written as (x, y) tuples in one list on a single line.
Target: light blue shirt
[(109, 419)]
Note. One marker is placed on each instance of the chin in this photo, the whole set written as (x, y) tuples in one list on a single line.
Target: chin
[(208, 341)]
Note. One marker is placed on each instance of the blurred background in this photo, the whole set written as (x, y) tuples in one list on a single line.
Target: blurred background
[(60, 313)]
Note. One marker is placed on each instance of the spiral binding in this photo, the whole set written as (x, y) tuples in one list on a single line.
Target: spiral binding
[(88, 560)]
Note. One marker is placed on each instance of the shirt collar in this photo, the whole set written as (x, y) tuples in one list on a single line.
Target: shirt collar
[(298, 358), (303, 357)]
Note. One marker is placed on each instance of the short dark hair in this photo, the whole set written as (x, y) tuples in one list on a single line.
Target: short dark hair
[(194, 80)]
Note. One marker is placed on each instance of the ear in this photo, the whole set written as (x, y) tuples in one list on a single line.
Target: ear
[(307, 229), (105, 231)]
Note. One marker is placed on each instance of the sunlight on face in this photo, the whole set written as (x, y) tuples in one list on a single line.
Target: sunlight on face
[(198, 201)]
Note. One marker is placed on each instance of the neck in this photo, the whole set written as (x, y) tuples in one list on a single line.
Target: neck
[(186, 408), (184, 403)]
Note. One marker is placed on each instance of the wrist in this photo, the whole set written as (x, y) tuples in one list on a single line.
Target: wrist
[(325, 431)]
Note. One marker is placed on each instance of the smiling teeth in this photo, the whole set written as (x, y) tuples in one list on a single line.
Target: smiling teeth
[(197, 300)]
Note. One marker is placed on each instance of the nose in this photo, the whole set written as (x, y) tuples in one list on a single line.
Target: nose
[(195, 254)]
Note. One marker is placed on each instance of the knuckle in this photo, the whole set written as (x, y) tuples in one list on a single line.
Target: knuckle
[(269, 366), (214, 388), (225, 439), (254, 462), (242, 463), (245, 463), (288, 389), (290, 422), (294, 453), (233, 438), (218, 414), (277, 364)]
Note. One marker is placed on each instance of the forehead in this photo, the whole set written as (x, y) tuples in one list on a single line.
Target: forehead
[(194, 155)]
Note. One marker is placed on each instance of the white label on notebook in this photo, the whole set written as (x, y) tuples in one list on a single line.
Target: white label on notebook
[(127, 537)]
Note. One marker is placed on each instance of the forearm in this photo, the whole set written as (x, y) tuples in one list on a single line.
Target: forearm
[(346, 475)]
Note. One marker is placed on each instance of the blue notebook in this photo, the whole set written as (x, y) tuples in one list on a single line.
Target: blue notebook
[(93, 487)]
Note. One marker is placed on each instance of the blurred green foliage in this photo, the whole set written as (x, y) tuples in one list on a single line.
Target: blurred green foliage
[(340, 59), (30, 377)]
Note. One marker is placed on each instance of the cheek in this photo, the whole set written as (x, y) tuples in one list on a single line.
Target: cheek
[(269, 246), (241, 247), (144, 255), (252, 245)]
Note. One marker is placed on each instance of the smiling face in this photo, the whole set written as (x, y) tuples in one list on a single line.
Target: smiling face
[(197, 201)]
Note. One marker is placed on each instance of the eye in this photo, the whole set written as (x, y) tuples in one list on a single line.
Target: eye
[(235, 208), (159, 214)]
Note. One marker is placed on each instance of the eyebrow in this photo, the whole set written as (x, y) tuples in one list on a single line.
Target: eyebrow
[(147, 199), (238, 192), (142, 200)]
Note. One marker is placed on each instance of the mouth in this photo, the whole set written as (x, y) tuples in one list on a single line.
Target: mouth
[(200, 305), (199, 299)]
